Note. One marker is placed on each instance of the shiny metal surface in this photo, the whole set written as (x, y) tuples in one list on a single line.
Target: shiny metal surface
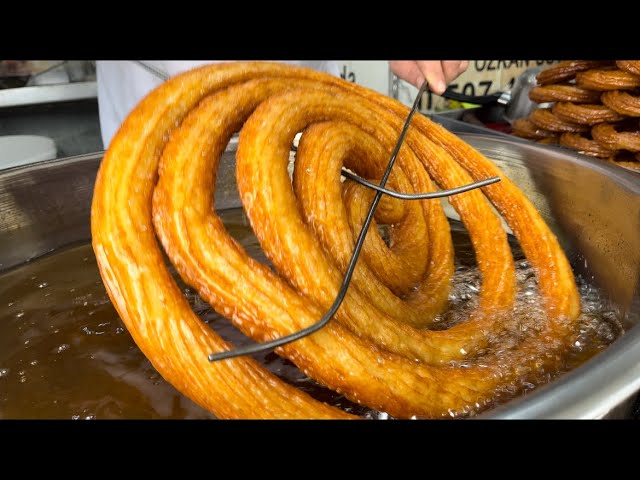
[(47, 205), (453, 120), (44, 206), (593, 207), (64, 92), (519, 105)]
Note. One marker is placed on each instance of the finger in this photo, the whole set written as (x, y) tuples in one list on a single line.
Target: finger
[(408, 71), (452, 69), (432, 71)]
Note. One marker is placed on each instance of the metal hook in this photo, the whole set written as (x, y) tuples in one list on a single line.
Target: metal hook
[(420, 196)]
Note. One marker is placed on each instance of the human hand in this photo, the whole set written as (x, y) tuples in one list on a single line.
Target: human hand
[(439, 73), (12, 67)]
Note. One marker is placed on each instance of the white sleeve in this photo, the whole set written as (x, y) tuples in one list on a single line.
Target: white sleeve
[(121, 85)]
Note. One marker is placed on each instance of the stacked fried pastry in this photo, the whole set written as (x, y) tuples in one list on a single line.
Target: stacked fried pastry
[(595, 109), (155, 191)]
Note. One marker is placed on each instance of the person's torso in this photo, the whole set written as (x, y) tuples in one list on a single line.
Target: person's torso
[(122, 84)]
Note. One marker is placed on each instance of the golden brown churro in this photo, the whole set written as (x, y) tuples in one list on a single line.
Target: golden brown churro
[(563, 93), (567, 70), (547, 120), (585, 114), (615, 137), (622, 102), (525, 128), (631, 66), (584, 145), (603, 97), (603, 80), (157, 177)]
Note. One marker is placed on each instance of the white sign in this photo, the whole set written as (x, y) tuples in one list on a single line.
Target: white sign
[(483, 77)]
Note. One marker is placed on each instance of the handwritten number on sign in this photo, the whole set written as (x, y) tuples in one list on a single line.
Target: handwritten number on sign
[(347, 75)]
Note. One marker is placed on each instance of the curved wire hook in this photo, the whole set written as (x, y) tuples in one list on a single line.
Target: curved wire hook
[(420, 196)]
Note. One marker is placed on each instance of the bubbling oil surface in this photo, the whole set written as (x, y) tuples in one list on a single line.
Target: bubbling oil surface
[(65, 353)]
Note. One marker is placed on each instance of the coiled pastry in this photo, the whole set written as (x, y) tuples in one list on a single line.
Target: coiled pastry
[(567, 70), (525, 128), (603, 80), (613, 137), (585, 114), (587, 146), (622, 102), (563, 93), (546, 119), (631, 66), (157, 178)]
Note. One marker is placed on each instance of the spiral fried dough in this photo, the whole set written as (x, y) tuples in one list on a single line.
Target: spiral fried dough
[(622, 102), (585, 114), (525, 128), (176, 135), (337, 228), (603, 80), (313, 272), (563, 93), (567, 70), (584, 145), (610, 137), (630, 66), (545, 119)]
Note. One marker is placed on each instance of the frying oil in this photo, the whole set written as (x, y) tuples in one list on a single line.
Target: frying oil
[(65, 353)]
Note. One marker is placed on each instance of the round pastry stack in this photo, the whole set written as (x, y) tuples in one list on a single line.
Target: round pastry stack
[(595, 109)]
